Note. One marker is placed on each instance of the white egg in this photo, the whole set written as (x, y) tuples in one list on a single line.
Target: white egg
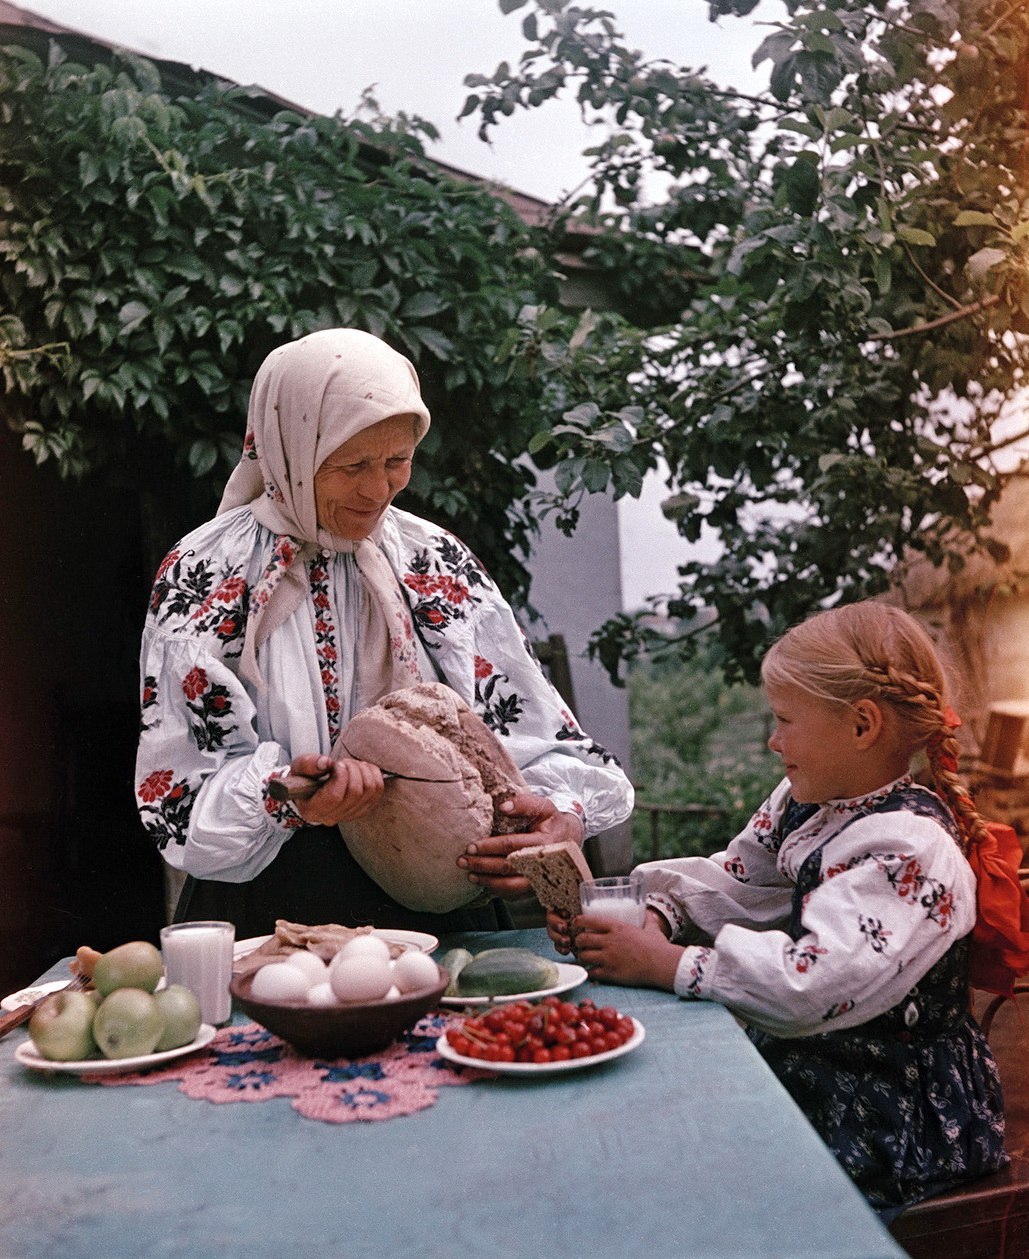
[(321, 995), (366, 946), (360, 978), (413, 970), (311, 964), (278, 981)]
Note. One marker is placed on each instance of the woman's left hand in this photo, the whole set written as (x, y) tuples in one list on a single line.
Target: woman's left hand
[(485, 860)]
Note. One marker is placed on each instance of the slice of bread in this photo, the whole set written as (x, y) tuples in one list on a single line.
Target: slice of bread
[(554, 872)]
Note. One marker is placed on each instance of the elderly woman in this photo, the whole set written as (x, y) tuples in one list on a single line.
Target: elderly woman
[(307, 598)]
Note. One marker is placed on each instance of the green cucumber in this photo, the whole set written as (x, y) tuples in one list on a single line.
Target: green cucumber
[(453, 962), (501, 972)]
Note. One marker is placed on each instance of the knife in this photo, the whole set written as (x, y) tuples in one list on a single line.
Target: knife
[(302, 786), (15, 1018)]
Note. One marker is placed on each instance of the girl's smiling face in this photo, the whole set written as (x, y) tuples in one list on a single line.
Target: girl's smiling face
[(815, 739)]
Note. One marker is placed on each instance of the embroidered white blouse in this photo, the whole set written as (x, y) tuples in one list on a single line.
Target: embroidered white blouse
[(894, 893), (210, 742)]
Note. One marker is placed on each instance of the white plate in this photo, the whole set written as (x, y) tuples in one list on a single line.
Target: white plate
[(541, 1068), (28, 1056), (420, 940), (26, 996), (568, 976)]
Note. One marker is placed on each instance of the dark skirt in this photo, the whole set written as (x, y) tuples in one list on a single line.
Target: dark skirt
[(908, 1118), (314, 880)]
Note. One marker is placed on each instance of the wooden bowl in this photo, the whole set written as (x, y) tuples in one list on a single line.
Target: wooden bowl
[(348, 1030)]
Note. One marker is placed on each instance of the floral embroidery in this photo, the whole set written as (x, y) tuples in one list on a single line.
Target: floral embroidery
[(165, 807), (284, 552), (171, 558), (178, 587), (498, 711), (209, 702), (911, 883), (874, 932), (325, 640), (837, 1009), (155, 785), (148, 700), (281, 812), (699, 957), (804, 957), (737, 869), (444, 584), (183, 590)]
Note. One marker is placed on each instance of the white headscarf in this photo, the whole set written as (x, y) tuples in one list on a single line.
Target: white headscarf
[(308, 398)]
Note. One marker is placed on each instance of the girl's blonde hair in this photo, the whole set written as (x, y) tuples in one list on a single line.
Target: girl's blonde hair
[(874, 651)]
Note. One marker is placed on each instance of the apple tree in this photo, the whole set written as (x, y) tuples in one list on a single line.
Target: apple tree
[(827, 285)]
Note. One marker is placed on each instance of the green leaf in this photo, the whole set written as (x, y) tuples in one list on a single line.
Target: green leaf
[(803, 185), (422, 305), (203, 455), (436, 342), (915, 236), (132, 314), (975, 218)]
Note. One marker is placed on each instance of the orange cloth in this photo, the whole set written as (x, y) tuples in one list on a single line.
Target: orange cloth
[(1000, 939)]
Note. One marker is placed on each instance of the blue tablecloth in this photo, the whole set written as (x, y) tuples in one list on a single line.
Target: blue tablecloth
[(686, 1147)]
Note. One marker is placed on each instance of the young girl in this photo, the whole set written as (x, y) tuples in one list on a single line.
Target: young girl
[(836, 923)]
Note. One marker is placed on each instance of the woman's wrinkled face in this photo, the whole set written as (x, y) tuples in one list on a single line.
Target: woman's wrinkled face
[(359, 480)]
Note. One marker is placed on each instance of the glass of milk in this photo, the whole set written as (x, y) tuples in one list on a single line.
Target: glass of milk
[(620, 898), (198, 955)]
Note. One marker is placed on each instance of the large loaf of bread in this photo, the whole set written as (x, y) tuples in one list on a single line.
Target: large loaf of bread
[(454, 775), (554, 872)]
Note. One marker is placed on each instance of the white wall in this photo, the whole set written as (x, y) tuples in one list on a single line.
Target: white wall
[(576, 585)]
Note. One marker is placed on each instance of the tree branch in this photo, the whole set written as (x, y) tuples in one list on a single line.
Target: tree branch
[(963, 313)]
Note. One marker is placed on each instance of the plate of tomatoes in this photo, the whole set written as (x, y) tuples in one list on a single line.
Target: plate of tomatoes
[(540, 1037)]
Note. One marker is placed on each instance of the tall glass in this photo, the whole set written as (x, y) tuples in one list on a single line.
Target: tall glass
[(619, 898), (198, 955)]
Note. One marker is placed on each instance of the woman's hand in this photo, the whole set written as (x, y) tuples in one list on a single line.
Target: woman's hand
[(351, 789), (616, 953), (485, 860)]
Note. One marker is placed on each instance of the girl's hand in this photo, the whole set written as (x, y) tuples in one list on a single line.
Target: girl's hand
[(560, 931), (351, 789), (564, 937), (616, 953)]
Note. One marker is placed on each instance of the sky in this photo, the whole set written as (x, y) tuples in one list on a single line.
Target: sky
[(414, 55)]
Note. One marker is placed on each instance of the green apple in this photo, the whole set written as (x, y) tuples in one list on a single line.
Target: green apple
[(181, 1013), (134, 965), (61, 1029), (128, 1024)]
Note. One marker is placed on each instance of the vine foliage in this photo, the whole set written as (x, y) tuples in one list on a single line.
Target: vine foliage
[(158, 237)]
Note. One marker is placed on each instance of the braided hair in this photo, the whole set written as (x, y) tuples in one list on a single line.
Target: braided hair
[(873, 651)]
